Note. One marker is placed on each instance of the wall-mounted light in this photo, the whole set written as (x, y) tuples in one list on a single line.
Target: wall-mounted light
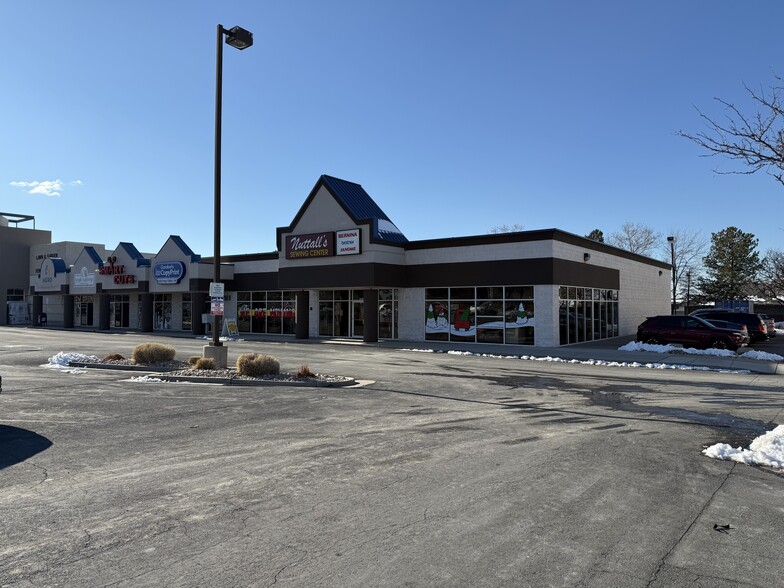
[(586, 256), (660, 272)]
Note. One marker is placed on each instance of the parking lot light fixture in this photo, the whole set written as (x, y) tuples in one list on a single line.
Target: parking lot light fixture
[(238, 38)]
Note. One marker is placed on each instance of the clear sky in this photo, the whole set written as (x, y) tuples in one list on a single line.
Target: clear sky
[(455, 116)]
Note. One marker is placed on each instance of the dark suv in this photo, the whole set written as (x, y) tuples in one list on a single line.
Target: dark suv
[(758, 330), (689, 331)]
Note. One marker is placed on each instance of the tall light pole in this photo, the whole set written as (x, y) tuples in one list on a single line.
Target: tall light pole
[(238, 38), (688, 289), (672, 249)]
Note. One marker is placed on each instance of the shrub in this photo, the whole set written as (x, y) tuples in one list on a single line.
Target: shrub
[(255, 365), (193, 359), (152, 353), (304, 372), (113, 357), (203, 363)]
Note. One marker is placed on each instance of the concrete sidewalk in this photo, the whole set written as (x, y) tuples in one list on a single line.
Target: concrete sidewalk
[(604, 350)]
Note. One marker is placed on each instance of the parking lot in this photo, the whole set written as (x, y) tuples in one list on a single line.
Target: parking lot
[(435, 470)]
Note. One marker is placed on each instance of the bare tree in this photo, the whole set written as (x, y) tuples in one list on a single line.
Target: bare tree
[(515, 228), (770, 279), (756, 139), (636, 238), (690, 248)]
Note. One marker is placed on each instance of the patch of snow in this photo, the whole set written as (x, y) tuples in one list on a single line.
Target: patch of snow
[(767, 449), (64, 358), (599, 362), (146, 379), (764, 355), (61, 361), (224, 339), (751, 354), (637, 346)]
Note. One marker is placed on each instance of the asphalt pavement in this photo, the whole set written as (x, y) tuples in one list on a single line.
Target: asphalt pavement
[(435, 470)]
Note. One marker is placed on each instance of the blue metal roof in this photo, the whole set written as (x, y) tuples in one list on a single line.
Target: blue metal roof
[(361, 206), (184, 248), (93, 254), (134, 254)]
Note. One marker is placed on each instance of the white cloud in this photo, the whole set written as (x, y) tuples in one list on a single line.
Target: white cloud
[(47, 187)]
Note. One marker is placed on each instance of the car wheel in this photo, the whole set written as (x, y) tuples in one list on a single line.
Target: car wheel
[(718, 344), (653, 341)]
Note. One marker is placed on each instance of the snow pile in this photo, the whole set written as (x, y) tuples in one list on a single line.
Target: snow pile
[(599, 362), (767, 449), (146, 379), (751, 354), (63, 358), (762, 355), (637, 346), (61, 361)]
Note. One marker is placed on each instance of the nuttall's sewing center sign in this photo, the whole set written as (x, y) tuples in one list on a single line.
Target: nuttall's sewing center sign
[(311, 245)]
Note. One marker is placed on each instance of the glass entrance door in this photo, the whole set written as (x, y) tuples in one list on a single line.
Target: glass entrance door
[(342, 313)]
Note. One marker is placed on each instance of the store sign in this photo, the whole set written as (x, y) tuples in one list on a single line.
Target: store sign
[(117, 270), (48, 272), (312, 245), (348, 242), (168, 272), (84, 278)]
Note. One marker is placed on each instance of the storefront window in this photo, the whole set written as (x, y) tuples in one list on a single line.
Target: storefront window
[(271, 312), (387, 314), (243, 312), (586, 314), (119, 310), (83, 311), (162, 312), (187, 312), (495, 314)]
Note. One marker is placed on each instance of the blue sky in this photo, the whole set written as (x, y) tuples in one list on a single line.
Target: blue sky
[(455, 116)]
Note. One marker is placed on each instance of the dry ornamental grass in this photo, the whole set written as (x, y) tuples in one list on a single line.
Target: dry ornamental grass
[(255, 365), (149, 353)]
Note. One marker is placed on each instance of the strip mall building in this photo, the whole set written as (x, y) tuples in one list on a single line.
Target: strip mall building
[(344, 269)]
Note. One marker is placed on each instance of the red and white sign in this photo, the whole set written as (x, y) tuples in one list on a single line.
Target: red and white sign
[(348, 242)]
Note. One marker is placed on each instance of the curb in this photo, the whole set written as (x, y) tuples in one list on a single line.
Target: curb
[(161, 374), (240, 382)]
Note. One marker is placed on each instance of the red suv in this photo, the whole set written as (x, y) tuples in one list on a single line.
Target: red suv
[(689, 331)]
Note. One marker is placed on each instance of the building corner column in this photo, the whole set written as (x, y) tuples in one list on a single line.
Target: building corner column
[(302, 328)]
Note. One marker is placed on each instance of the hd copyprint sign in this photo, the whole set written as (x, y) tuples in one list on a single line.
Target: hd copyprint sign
[(168, 272)]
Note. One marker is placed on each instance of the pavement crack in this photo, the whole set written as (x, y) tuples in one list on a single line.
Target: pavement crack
[(288, 565), (43, 470), (660, 565)]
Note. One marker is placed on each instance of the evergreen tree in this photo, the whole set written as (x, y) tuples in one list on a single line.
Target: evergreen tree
[(596, 235), (731, 265)]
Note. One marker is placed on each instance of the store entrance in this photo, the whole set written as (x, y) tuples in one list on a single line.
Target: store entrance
[(342, 313), (339, 311)]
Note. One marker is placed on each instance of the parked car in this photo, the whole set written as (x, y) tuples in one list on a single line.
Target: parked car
[(758, 330), (732, 327), (770, 323), (689, 331)]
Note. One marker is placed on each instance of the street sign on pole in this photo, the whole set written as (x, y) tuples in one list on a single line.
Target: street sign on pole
[(217, 305), (216, 289)]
